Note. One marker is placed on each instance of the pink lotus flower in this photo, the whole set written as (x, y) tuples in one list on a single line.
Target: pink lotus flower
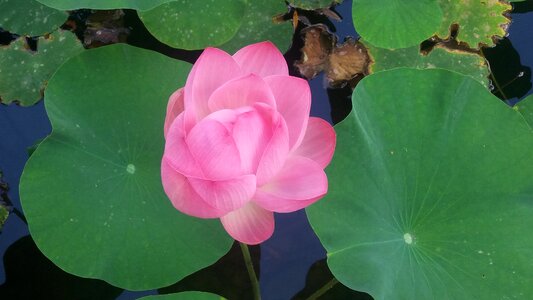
[(240, 144)]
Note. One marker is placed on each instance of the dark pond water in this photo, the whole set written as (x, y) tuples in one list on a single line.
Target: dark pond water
[(285, 261)]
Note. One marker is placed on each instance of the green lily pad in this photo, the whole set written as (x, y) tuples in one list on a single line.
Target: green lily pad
[(24, 74), (479, 20), (193, 24), (29, 17), (313, 4), (430, 192), (396, 23), (462, 62), (4, 212), (92, 191), (258, 25), (184, 296), (103, 4), (525, 108)]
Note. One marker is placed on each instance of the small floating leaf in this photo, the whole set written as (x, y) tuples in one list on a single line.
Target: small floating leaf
[(193, 24), (24, 74), (396, 23), (430, 177), (29, 17), (92, 190)]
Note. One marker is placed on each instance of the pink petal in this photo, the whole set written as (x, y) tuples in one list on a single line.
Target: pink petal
[(300, 183), (177, 151), (250, 224), (227, 195), (318, 143), (275, 153), (212, 146), (183, 196), (252, 133), (212, 69), (263, 59), (293, 99), (174, 108), (243, 91)]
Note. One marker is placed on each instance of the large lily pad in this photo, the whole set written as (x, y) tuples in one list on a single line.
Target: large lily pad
[(24, 74), (396, 23), (29, 17), (470, 64), (430, 194), (103, 4), (193, 24), (479, 20), (92, 191), (257, 25)]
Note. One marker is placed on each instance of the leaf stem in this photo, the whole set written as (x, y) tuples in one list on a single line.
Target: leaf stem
[(324, 289), (251, 271)]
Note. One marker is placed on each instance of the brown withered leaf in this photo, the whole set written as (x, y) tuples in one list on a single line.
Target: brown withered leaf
[(341, 63)]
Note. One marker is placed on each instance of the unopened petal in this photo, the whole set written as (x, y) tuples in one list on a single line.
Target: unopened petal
[(213, 148), (213, 68), (275, 153), (250, 224), (263, 59), (227, 195), (300, 183), (293, 100), (177, 151), (243, 91), (183, 196), (174, 108)]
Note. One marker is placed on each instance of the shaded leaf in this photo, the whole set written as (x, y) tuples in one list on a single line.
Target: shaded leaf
[(30, 275), (185, 296), (425, 187), (192, 24), (227, 277), (318, 276), (29, 17), (24, 74), (107, 215)]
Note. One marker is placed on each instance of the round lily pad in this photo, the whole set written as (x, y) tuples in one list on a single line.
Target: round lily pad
[(430, 192), (258, 25), (24, 74), (92, 190), (396, 23), (103, 4), (29, 17), (193, 24)]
